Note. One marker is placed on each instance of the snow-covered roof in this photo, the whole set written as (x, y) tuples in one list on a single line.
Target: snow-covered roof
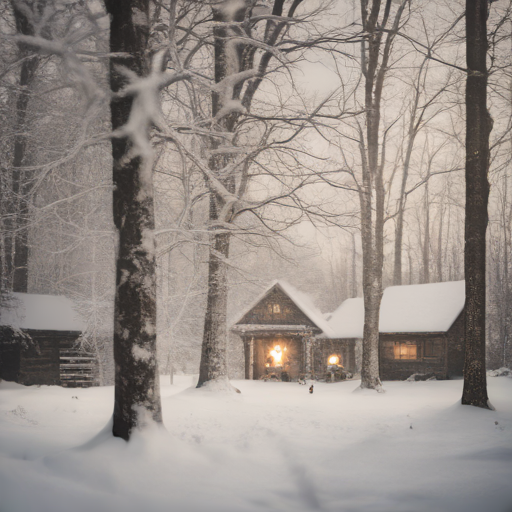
[(301, 300), (304, 302), (347, 321), (429, 307), (41, 312)]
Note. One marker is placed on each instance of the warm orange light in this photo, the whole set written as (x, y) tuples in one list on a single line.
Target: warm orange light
[(334, 360), (277, 355)]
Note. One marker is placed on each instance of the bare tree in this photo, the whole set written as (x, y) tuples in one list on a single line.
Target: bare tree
[(375, 59), (245, 43), (30, 21), (423, 109)]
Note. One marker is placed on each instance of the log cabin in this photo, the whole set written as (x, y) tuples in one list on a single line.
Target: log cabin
[(287, 338), (421, 333), (38, 342), (421, 329)]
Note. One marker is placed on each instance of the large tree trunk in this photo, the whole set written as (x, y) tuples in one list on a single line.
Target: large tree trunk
[(137, 394), (478, 127), (213, 352), (371, 194), (230, 58), (16, 247), (213, 365)]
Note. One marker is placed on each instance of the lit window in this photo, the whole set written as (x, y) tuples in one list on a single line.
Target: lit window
[(277, 356), (332, 360), (405, 350), (277, 309)]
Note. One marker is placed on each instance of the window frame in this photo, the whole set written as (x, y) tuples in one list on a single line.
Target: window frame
[(432, 352), (398, 344)]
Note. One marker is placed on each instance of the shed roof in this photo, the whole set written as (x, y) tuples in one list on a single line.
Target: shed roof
[(432, 307), (41, 312)]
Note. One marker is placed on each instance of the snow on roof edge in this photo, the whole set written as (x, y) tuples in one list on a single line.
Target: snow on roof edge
[(41, 312), (430, 307), (253, 303), (306, 305)]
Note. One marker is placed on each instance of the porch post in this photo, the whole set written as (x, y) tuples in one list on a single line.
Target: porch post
[(251, 358), (307, 349)]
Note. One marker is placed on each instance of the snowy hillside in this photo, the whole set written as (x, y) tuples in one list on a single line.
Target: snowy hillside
[(275, 447)]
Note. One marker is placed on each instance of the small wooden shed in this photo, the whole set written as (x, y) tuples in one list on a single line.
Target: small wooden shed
[(286, 338), (421, 329), (38, 335)]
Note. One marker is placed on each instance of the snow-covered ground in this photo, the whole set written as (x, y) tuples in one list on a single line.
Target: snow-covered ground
[(275, 447)]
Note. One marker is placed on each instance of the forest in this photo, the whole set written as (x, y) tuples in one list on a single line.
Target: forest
[(164, 161)]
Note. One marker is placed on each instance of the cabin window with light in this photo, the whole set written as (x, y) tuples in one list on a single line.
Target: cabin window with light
[(276, 356), (405, 350), (333, 360), (274, 308)]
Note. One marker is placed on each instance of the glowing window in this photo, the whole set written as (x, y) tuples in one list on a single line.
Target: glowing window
[(274, 308), (332, 360), (405, 350), (277, 356)]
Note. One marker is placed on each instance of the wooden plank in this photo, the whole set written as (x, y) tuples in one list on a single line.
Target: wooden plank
[(72, 366), (77, 358)]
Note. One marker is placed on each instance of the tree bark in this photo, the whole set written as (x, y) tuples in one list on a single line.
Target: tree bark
[(137, 393), (17, 251), (439, 255), (478, 127), (402, 199), (353, 292), (213, 365), (375, 58), (426, 240)]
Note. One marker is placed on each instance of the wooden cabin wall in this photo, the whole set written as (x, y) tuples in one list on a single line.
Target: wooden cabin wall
[(259, 359), (456, 348), (431, 356), (247, 355), (41, 366), (343, 348), (46, 360), (78, 368), (9, 356), (293, 357)]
